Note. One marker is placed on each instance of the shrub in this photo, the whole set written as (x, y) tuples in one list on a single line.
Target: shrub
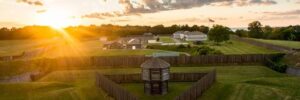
[(198, 43), (150, 47), (189, 46), (205, 50), (181, 47), (277, 66)]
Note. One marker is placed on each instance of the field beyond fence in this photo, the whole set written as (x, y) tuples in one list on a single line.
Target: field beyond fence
[(265, 45)]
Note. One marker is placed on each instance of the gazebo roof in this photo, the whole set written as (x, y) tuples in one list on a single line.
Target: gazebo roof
[(155, 63)]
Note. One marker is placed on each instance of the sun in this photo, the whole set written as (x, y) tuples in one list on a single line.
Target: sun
[(56, 19)]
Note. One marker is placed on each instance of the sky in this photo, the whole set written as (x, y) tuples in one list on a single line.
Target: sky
[(231, 13)]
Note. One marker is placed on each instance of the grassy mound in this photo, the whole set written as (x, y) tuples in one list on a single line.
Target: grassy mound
[(50, 91)]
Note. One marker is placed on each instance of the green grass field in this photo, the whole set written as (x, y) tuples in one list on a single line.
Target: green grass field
[(175, 89), (16, 47), (291, 44), (84, 90), (233, 83), (88, 48), (239, 82), (236, 47)]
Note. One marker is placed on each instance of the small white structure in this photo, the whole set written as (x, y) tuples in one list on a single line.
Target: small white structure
[(190, 36), (177, 34)]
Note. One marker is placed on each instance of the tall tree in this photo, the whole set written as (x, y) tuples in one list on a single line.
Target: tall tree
[(241, 33), (219, 33), (267, 31), (255, 29), (204, 29)]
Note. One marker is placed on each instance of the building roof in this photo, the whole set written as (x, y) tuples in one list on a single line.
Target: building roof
[(195, 33), (155, 63), (148, 34), (179, 32), (134, 41)]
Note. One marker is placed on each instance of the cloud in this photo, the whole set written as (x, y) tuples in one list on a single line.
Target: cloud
[(280, 17), (136, 7), (120, 20), (263, 2), (32, 2), (41, 11), (106, 15), (293, 12)]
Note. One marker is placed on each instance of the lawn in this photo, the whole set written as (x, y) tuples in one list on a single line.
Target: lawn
[(84, 90), (291, 44), (175, 89), (166, 39), (236, 47), (239, 82), (16, 47), (230, 47), (233, 83), (82, 48)]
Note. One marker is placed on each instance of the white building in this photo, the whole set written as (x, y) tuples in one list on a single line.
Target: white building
[(195, 36), (190, 36)]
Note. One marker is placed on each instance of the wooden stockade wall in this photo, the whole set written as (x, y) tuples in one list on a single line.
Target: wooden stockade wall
[(114, 90), (265, 45), (174, 77), (183, 60), (199, 87), (136, 61), (203, 82)]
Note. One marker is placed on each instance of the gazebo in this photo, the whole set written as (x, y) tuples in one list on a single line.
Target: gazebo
[(155, 74)]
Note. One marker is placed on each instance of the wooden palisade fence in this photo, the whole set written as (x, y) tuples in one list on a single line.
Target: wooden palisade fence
[(113, 61), (174, 77), (203, 82), (199, 87), (114, 90), (135, 61)]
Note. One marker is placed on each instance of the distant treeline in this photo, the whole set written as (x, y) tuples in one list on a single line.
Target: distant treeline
[(257, 30), (41, 32)]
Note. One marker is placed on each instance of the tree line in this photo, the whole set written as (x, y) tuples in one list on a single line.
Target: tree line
[(257, 30), (218, 33), (92, 31)]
